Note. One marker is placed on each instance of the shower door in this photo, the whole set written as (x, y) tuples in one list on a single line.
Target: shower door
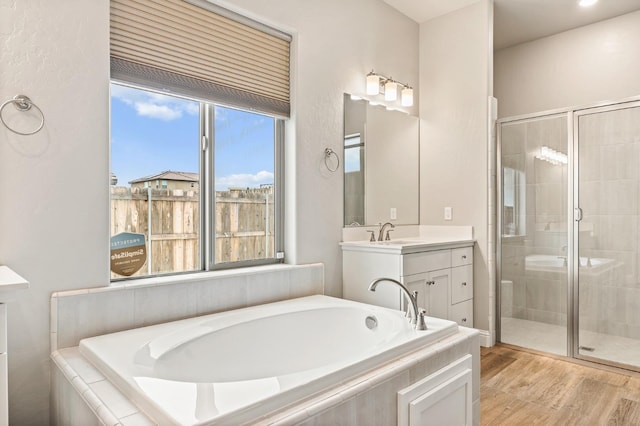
[(606, 264), (533, 240)]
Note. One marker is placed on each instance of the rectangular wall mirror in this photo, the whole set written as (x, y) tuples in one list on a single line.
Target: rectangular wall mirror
[(381, 165)]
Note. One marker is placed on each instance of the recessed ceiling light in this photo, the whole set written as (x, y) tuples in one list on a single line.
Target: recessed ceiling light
[(587, 3)]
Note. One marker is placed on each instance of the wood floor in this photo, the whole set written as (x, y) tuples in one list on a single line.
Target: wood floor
[(522, 388)]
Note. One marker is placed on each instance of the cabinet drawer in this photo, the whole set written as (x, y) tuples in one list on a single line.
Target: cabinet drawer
[(462, 313), (416, 263), (462, 256), (461, 284)]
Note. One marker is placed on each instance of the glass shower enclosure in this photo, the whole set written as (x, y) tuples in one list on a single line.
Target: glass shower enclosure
[(569, 233)]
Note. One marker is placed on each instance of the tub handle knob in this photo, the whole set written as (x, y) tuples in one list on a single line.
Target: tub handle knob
[(421, 325), (408, 311)]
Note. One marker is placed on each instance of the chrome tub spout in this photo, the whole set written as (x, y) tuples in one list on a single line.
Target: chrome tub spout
[(419, 325)]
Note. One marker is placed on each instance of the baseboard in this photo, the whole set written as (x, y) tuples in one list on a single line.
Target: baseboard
[(485, 339)]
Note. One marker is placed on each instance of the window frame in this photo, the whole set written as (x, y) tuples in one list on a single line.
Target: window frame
[(207, 198)]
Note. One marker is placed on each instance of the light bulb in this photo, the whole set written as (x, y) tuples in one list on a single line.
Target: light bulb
[(390, 91), (373, 84), (407, 96), (587, 3)]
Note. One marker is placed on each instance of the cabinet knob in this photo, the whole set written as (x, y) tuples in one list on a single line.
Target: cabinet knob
[(464, 256), (464, 283), (431, 282), (464, 320)]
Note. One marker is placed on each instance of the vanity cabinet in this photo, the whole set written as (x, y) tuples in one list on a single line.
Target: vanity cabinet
[(4, 379), (442, 276), (9, 283)]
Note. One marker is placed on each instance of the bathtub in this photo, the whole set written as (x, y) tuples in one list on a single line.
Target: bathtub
[(236, 366), (543, 262)]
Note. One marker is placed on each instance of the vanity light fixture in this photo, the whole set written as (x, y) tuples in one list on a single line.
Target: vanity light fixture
[(587, 3), (373, 83), (407, 96), (377, 84), (390, 90)]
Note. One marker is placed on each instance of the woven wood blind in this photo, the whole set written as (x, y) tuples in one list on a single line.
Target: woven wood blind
[(178, 46)]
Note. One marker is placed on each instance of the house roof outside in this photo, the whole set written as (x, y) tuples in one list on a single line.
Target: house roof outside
[(169, 175)]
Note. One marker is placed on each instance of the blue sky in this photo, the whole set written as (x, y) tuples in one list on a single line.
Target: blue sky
[(151, 133)]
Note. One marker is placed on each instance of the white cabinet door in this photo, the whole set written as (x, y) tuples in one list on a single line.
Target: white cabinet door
[(442, 398), (437, 304), (417, 282), (448, 404)]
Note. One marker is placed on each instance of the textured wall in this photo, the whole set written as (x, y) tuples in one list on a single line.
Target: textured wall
[(589, 64), (57, 53), (455, 83)]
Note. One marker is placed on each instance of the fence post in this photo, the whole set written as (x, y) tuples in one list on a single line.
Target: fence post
[(149, 254)]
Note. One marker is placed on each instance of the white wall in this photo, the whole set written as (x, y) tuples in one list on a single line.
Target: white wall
[(336, 44), (54, 185), (593, 63), (455, 82)]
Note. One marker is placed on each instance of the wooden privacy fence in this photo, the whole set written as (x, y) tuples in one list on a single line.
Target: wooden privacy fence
[(244, 225)]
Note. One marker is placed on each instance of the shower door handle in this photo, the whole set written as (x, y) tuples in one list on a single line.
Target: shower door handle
[(577, 214)]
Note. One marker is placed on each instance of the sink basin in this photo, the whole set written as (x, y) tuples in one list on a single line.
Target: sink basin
[(397, 242)]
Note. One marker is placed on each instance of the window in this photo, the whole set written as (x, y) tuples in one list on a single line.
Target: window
[(198, 99), (353, 153), (514, 200), (156, 138), (353, 179)]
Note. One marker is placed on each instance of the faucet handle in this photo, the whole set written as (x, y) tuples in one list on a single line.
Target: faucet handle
[(421, 325), (373, 235), (408, 312), (386, 238)]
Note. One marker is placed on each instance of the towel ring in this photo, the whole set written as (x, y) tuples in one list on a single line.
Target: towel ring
[(328, 152), (23, 104)]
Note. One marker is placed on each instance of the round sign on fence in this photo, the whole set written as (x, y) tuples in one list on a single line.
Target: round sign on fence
[(128, 253)]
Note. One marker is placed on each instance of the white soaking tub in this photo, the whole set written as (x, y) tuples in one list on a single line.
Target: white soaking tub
[(236, 366)]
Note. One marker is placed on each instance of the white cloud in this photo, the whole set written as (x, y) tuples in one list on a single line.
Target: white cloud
[(163, 112), (244, 180), (154, 105)]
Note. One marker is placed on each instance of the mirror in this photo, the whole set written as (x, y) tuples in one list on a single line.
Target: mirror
[(381, 163)]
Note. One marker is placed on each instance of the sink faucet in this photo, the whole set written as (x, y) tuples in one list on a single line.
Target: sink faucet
[(417, 319), (382, 228)]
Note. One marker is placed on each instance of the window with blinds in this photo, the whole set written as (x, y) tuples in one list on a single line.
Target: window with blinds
[(199, 49), (199, 96)]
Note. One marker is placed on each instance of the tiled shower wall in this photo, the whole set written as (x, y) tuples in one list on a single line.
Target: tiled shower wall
[(609, 182), (90, 312), (528, 294)]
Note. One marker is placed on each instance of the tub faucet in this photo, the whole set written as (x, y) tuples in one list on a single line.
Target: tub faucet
[(417, 319), (382, 228)]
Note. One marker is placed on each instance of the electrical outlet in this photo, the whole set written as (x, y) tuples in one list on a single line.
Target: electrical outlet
[(393, 213), (448, 213)]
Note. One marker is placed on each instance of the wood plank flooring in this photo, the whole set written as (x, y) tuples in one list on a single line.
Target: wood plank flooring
[(522, 388)]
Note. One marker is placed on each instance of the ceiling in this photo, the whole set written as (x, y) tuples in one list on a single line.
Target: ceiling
[(518, 21)]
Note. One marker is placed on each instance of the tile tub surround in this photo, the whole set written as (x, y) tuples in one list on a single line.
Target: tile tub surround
[(130, 304), (81, 394)]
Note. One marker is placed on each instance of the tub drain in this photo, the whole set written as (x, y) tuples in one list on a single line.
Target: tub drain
[(371, 322)]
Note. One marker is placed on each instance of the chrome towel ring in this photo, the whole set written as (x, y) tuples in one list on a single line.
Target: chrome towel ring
[(328, 153), (22, 103)]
